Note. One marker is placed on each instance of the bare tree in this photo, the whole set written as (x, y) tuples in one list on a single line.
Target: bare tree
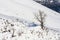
[(41, 18)]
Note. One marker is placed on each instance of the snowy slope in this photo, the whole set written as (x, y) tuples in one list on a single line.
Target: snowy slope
[(14, 30), (15, 13), (26, 8)]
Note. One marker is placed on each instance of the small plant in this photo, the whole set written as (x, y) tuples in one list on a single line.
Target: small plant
[(13, 33)]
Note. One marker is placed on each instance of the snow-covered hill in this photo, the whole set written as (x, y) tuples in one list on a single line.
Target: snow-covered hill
[(26, 8), (14, 30), (15, 13)]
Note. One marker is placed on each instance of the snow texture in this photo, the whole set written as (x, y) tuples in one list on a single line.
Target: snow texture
[(16, 14), (22, 32)]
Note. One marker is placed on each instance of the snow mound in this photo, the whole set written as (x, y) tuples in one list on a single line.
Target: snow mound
[(14, 30)]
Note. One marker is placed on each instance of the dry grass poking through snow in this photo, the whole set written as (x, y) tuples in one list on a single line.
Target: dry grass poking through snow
[(14, 30)]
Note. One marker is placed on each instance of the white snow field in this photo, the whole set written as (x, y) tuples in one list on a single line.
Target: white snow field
[(26, 8), (14, 30), (10, 10)]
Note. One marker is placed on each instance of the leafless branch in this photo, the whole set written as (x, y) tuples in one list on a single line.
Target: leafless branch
[(41, 18)]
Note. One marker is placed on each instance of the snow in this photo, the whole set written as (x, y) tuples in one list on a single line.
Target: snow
[(24, 10), (22, 32)]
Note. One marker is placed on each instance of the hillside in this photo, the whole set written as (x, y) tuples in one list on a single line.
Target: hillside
[(17, 15), (14, 30)]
